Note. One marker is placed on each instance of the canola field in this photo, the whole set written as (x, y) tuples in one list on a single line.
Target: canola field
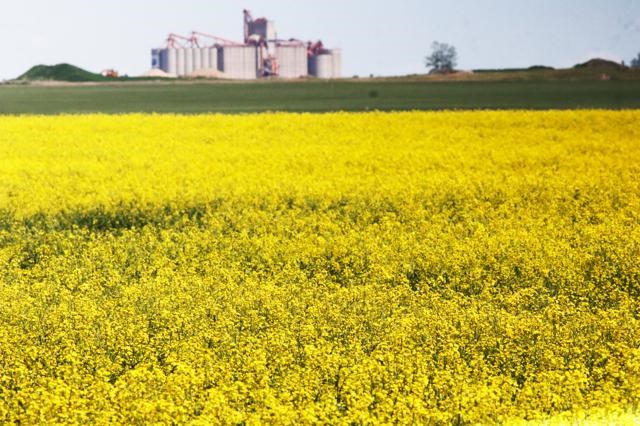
[(426, 268)]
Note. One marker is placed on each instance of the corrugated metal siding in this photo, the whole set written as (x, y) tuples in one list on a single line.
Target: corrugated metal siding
[(205, 58), (182, 62), (188, 68), (321, 66), (164, 59), (265, 29), (156, 62), (293, 61), (213, 59), (337, 63), (238, 62), (172, 61), (197, 59)]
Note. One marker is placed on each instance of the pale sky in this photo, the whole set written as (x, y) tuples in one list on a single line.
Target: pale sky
[(377, 37)]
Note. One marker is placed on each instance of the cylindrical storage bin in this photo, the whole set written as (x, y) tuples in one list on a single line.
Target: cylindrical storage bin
[(155, 59), (172, 61), (164, 60), (205, 58), (182, 53), (197, 59), (213, 58), (188, 67), (321, 66), (337, 63)]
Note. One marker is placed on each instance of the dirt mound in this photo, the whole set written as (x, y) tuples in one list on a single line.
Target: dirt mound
[(208, 73), (158, 73)]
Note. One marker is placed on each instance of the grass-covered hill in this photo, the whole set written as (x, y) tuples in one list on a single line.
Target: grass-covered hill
[(592, 70), (61, 72), (602, 64)]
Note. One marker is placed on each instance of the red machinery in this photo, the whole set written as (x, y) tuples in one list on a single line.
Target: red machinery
[(176, 40), (110, 73), (247, 20), (218, 40), (315, 48), (269, 65)]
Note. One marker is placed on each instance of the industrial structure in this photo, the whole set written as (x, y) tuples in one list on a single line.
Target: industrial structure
[(261, 54)]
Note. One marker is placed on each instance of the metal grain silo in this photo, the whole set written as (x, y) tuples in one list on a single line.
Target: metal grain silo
[(238, 62), (188, 67), (292, 60), (197, 59), (321, 65), (172, 61), (220, 58), (250, 63), (337, 62), (213, 58), (181, 67), (311, 64), (205, 58), (156, 63), (164, 59)]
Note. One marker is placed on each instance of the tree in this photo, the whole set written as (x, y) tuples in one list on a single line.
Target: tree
[(635, 62), (443, 58)]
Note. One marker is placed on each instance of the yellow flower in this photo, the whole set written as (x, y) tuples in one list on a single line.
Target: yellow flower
[(412, 268)]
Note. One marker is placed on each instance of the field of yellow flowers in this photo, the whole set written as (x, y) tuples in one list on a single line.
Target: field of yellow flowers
[(428, 268)]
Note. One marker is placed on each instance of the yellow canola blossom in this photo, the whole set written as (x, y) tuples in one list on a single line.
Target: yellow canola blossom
[(411, 268)]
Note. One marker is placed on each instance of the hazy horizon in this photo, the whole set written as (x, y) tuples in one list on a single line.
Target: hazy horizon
[(377, 38)]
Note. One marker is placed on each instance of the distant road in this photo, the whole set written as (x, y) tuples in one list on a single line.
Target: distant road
[(315, 96)]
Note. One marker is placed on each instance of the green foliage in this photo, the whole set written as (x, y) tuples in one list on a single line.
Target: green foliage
[(443, 58), (528, 90), (602, 64), (61, 72)]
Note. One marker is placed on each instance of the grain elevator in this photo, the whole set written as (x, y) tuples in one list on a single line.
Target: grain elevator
[(261, 54)]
